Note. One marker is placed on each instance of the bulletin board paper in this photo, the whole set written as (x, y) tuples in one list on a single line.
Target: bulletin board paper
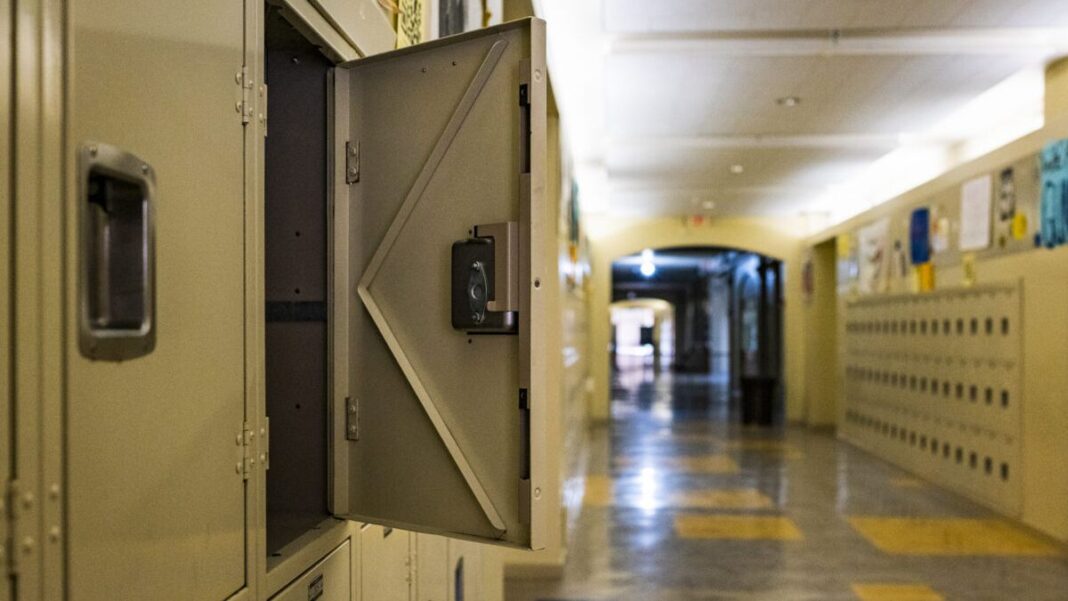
[(976, 197), (874, 243)]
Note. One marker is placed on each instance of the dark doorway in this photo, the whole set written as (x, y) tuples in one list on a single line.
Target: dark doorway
[(705, 315)]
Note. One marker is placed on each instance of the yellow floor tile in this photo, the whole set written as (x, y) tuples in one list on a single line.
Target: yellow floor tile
[(703, 464), (599, 491), (907, 482), (948, 536), (602, 491), (741, 498), (896, 592), (737, 527), (759, 445)]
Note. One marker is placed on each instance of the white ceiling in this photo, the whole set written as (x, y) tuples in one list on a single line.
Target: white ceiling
[(633, 16), (684, 89)]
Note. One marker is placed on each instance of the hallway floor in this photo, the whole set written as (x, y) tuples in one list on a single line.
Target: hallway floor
[(682, 504)]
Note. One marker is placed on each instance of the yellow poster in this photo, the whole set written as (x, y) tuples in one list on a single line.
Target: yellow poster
[(410, 22)]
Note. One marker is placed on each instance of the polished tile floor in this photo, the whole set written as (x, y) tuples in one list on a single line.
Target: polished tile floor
[(682, 503)]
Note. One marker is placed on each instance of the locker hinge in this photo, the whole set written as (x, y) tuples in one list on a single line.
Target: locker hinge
[(248, 455), (352, 162), (263, 108), (245, 105), (265, 441), (352, 418), (8, 506)]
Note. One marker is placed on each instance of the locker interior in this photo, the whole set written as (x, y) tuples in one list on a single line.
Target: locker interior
[(295, 281)]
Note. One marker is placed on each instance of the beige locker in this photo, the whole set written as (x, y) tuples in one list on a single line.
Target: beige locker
[(330, 579), (385, 571), (431, 567), (155, 381)]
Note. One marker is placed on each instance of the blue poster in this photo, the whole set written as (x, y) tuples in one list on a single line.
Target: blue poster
[(920, 236), (1053, 211)]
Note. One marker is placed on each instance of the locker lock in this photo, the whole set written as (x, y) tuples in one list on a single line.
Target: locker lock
[(485, 296), (477, 291)]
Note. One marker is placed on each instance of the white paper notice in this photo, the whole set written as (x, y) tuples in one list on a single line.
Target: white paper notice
[(976, 197)]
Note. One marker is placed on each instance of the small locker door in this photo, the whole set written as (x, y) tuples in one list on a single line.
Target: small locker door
[(442, 242), (155, 301), (385, 571)]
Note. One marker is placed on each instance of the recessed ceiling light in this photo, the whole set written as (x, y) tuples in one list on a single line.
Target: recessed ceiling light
[(788, 101), (736, 169), (708, 205)]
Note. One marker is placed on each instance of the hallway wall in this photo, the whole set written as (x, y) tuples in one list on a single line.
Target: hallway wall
[(1043, 277), (779, 237), (820, 315)]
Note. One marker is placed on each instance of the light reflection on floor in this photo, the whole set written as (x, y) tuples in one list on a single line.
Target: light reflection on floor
[(655, 525)]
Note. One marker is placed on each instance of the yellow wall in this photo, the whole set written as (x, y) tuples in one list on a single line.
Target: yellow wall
[(820, 314), (778, 237), (1044, 276), (1057, 89)]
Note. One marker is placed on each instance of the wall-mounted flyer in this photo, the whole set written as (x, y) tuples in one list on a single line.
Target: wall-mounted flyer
[(874, 249), (976, 199)]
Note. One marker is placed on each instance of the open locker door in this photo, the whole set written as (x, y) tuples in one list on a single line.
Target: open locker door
[(442, 241)]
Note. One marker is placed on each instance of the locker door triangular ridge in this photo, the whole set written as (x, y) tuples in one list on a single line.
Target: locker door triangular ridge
[(474, 89)]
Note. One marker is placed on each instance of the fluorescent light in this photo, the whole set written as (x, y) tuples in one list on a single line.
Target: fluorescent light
[(1006, 112), (648, 268)]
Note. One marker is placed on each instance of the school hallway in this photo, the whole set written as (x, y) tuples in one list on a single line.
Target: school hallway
[(683, 503)]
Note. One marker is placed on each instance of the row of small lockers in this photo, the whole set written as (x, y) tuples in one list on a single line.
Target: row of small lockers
[(934, 383)]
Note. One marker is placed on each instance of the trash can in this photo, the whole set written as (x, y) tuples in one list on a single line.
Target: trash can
[(758, 399)]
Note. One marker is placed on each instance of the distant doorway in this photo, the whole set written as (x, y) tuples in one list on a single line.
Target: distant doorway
[(703, 313)]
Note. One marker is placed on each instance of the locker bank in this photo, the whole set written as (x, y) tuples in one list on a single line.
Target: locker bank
[(494, 299)]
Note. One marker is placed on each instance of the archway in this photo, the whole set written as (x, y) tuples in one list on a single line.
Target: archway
[(780, 240)]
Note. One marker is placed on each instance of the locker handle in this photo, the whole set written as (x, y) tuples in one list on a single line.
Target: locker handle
[(116, 254)]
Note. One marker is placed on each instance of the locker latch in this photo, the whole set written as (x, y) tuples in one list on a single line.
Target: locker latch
[(485, 280)]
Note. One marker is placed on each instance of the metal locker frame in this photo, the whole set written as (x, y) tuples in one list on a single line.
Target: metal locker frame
[(345, 29), (6, 291), (36, 282), (428, 145)]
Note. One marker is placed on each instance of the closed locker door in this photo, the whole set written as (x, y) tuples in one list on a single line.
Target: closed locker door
[(155, 302), (432, 570), (385, 572)]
